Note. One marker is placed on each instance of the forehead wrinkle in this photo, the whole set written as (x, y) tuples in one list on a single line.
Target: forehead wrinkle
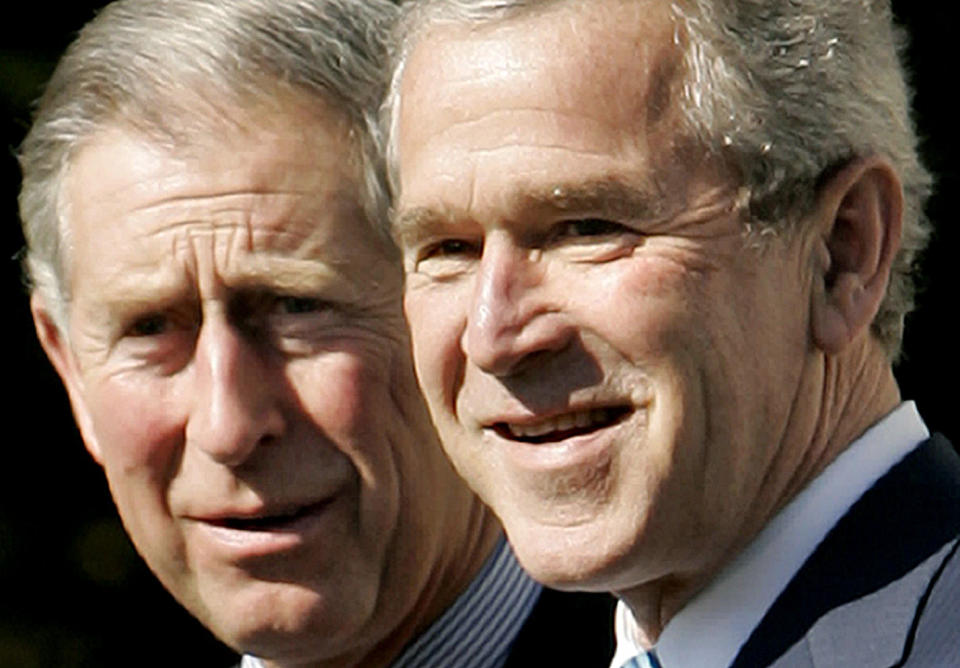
[(156, 286), (574, 113), (239, 244), (492, 151), (262, 222), (224, 193), (244, 201), (240, 262)]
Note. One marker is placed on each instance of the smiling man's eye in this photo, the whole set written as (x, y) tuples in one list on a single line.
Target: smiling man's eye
[(589, 227), (449, 247), (301, 305), (447, 258)]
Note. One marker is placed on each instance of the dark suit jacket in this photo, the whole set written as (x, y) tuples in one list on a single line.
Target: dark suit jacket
[(566, 629), (883, 588)]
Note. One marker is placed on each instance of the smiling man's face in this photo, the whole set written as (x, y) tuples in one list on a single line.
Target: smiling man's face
[(238, 363), (602, 350)]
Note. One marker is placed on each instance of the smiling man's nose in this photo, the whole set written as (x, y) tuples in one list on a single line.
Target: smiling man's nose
[(512, 319), (236, 406)]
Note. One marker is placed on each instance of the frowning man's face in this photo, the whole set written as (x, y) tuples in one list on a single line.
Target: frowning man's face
[(609, 359), (238, 362)]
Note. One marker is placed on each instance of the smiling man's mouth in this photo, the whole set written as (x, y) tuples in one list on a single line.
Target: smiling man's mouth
[(562, 427)]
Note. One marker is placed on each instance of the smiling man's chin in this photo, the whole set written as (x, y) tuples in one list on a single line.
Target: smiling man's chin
[(579, 552)]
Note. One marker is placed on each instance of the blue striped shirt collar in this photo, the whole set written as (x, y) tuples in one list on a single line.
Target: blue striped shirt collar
[(480, 626)]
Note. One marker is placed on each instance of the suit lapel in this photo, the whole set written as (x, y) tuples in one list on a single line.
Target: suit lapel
[(907, 517), (848, 635)]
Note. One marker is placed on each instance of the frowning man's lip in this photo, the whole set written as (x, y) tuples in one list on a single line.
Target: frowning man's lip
[(272, 518), (269, 530)]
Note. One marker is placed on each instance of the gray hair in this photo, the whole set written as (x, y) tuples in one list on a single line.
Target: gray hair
[(162, 66), (785, 91)]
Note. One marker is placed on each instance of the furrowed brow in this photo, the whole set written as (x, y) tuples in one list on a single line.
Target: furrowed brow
[(295, 276)]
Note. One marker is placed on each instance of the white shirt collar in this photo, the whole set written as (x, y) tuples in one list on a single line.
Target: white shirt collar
[(709, 631)]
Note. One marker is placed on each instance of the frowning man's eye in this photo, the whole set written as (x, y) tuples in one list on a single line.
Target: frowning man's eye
[(151, 325), (159, 341)]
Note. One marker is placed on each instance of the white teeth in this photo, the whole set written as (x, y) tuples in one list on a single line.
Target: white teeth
[(528, 430), (566, 422)]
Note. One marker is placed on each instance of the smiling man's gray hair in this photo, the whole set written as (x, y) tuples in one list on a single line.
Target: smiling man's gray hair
[(785, 92)]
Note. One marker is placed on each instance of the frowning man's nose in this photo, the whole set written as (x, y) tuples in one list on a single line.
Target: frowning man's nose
[(236, 406)]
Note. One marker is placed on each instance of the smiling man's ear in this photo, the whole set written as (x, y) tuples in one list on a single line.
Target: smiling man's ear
[(859, 215), (58, 350)]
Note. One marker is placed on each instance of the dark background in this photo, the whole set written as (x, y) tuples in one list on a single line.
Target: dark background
[(72, 590)]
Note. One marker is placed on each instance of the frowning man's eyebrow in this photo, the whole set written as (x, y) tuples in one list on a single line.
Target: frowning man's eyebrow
[(604, 197), (140, 287), (283, 274)]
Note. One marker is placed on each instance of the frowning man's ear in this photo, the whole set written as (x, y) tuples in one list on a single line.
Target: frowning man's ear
[(859, 215), (57, 347)]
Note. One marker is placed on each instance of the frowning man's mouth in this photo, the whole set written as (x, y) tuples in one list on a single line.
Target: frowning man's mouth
[(271, 530), (268, 520)]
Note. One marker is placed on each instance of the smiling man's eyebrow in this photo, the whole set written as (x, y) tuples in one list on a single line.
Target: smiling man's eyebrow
[(412, 226), (602, 197)]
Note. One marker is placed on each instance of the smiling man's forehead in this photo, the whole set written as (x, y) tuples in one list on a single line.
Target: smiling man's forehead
[(601, 44), (522, 109)]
